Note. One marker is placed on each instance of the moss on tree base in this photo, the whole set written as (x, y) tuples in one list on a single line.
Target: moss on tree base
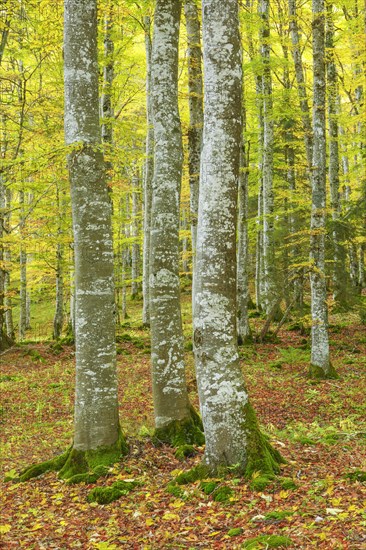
[(317, 373), (261, 457), (76, 466), (182, 434)]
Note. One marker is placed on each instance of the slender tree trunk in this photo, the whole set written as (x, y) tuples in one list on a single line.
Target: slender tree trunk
[(171, 403), (195, 86), (23, 272), (58, 319), (269, 265), (340, 278), (229, 422), (320, 361), (148, 176), (185, 250), (259, 249), (244, 332), (135, 255), (301, 85)]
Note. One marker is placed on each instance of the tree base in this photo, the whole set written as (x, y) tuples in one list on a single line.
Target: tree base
[(262, 461), (181, 433), (317, 373), (76, 466), (261, 457)]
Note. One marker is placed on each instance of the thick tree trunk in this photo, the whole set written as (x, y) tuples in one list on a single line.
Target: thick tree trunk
[(96, 404), (320, 361), (98, 441), (229, 422), (148, 177), (195, 86), (171, 403)]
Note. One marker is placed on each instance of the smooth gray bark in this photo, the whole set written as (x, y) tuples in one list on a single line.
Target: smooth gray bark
[(135, 234), (301, 85), (58, 319), (270, 295), (148, 177), (221, 386), (339, 274), (244, 332), (23, 271), (168, 369), (319, 308), (96, 400), (195, 87)]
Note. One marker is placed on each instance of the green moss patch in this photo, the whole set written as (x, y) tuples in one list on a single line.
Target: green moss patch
[(267, 541), (222, 494), (318, 373), (180, 433), (185, 451), (261, 456), (106, 495), (208, 487), (173, 489), (195, 474), (288, 484), (259, 483), (357, 475), (236, 531), (277, 515)]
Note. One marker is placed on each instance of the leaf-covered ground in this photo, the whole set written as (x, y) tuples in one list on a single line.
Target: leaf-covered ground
[(319, 428)]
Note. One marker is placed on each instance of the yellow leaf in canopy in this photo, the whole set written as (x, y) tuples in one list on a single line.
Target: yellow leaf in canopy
[(5, 528)]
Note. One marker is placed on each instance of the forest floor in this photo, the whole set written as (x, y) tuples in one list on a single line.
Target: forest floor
[(320, 428)]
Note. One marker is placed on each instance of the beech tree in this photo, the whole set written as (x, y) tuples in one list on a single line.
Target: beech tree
[(98, 441), (196, 117), (231, 430), (175, 420), (320, 361)]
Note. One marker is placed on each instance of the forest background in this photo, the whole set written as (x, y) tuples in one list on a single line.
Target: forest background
[(36, 241)]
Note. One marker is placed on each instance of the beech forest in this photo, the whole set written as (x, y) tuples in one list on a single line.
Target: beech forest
[(182, 274)]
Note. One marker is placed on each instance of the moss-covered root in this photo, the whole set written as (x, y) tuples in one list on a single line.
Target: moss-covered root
[(106, 495), (317, 373), (88, 466), (36, 470), (79, 466), (181, 433), (261, 457)]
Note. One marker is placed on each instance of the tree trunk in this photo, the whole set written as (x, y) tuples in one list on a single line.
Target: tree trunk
[(270, 286), (135, 255), (320, 361), (23, 272), (244, 332), (231, 430), (301, 85), (171, 405), (148, 176), (340, 278), (195, 87)]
